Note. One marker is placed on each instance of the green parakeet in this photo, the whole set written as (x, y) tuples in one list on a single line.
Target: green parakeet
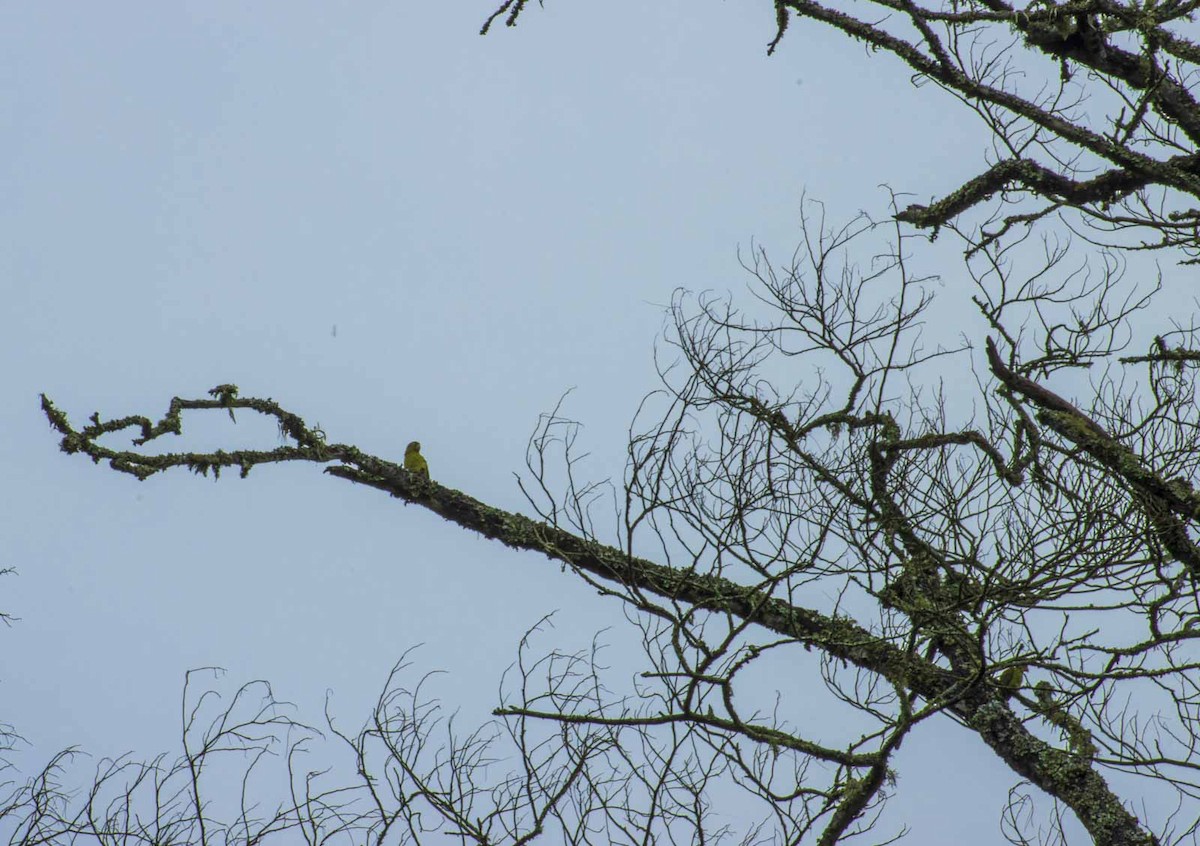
[(1011, 679), (414, 462)]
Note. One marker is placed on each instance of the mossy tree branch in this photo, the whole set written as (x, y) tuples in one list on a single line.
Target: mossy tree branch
[(972, 700)]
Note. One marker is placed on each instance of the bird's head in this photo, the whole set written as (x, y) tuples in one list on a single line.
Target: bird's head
[(415, 446)]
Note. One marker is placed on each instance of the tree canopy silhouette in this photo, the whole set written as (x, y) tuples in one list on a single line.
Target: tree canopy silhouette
[(1089, 103), (1017, 556)]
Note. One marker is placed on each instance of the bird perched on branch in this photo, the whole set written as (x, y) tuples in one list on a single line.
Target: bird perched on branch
[(1011, 679), (414, 462)]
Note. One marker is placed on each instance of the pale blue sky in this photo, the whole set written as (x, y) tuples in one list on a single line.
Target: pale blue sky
[(198, 192)]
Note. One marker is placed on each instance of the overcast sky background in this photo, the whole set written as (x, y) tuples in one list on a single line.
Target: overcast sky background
[(200, 192)]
